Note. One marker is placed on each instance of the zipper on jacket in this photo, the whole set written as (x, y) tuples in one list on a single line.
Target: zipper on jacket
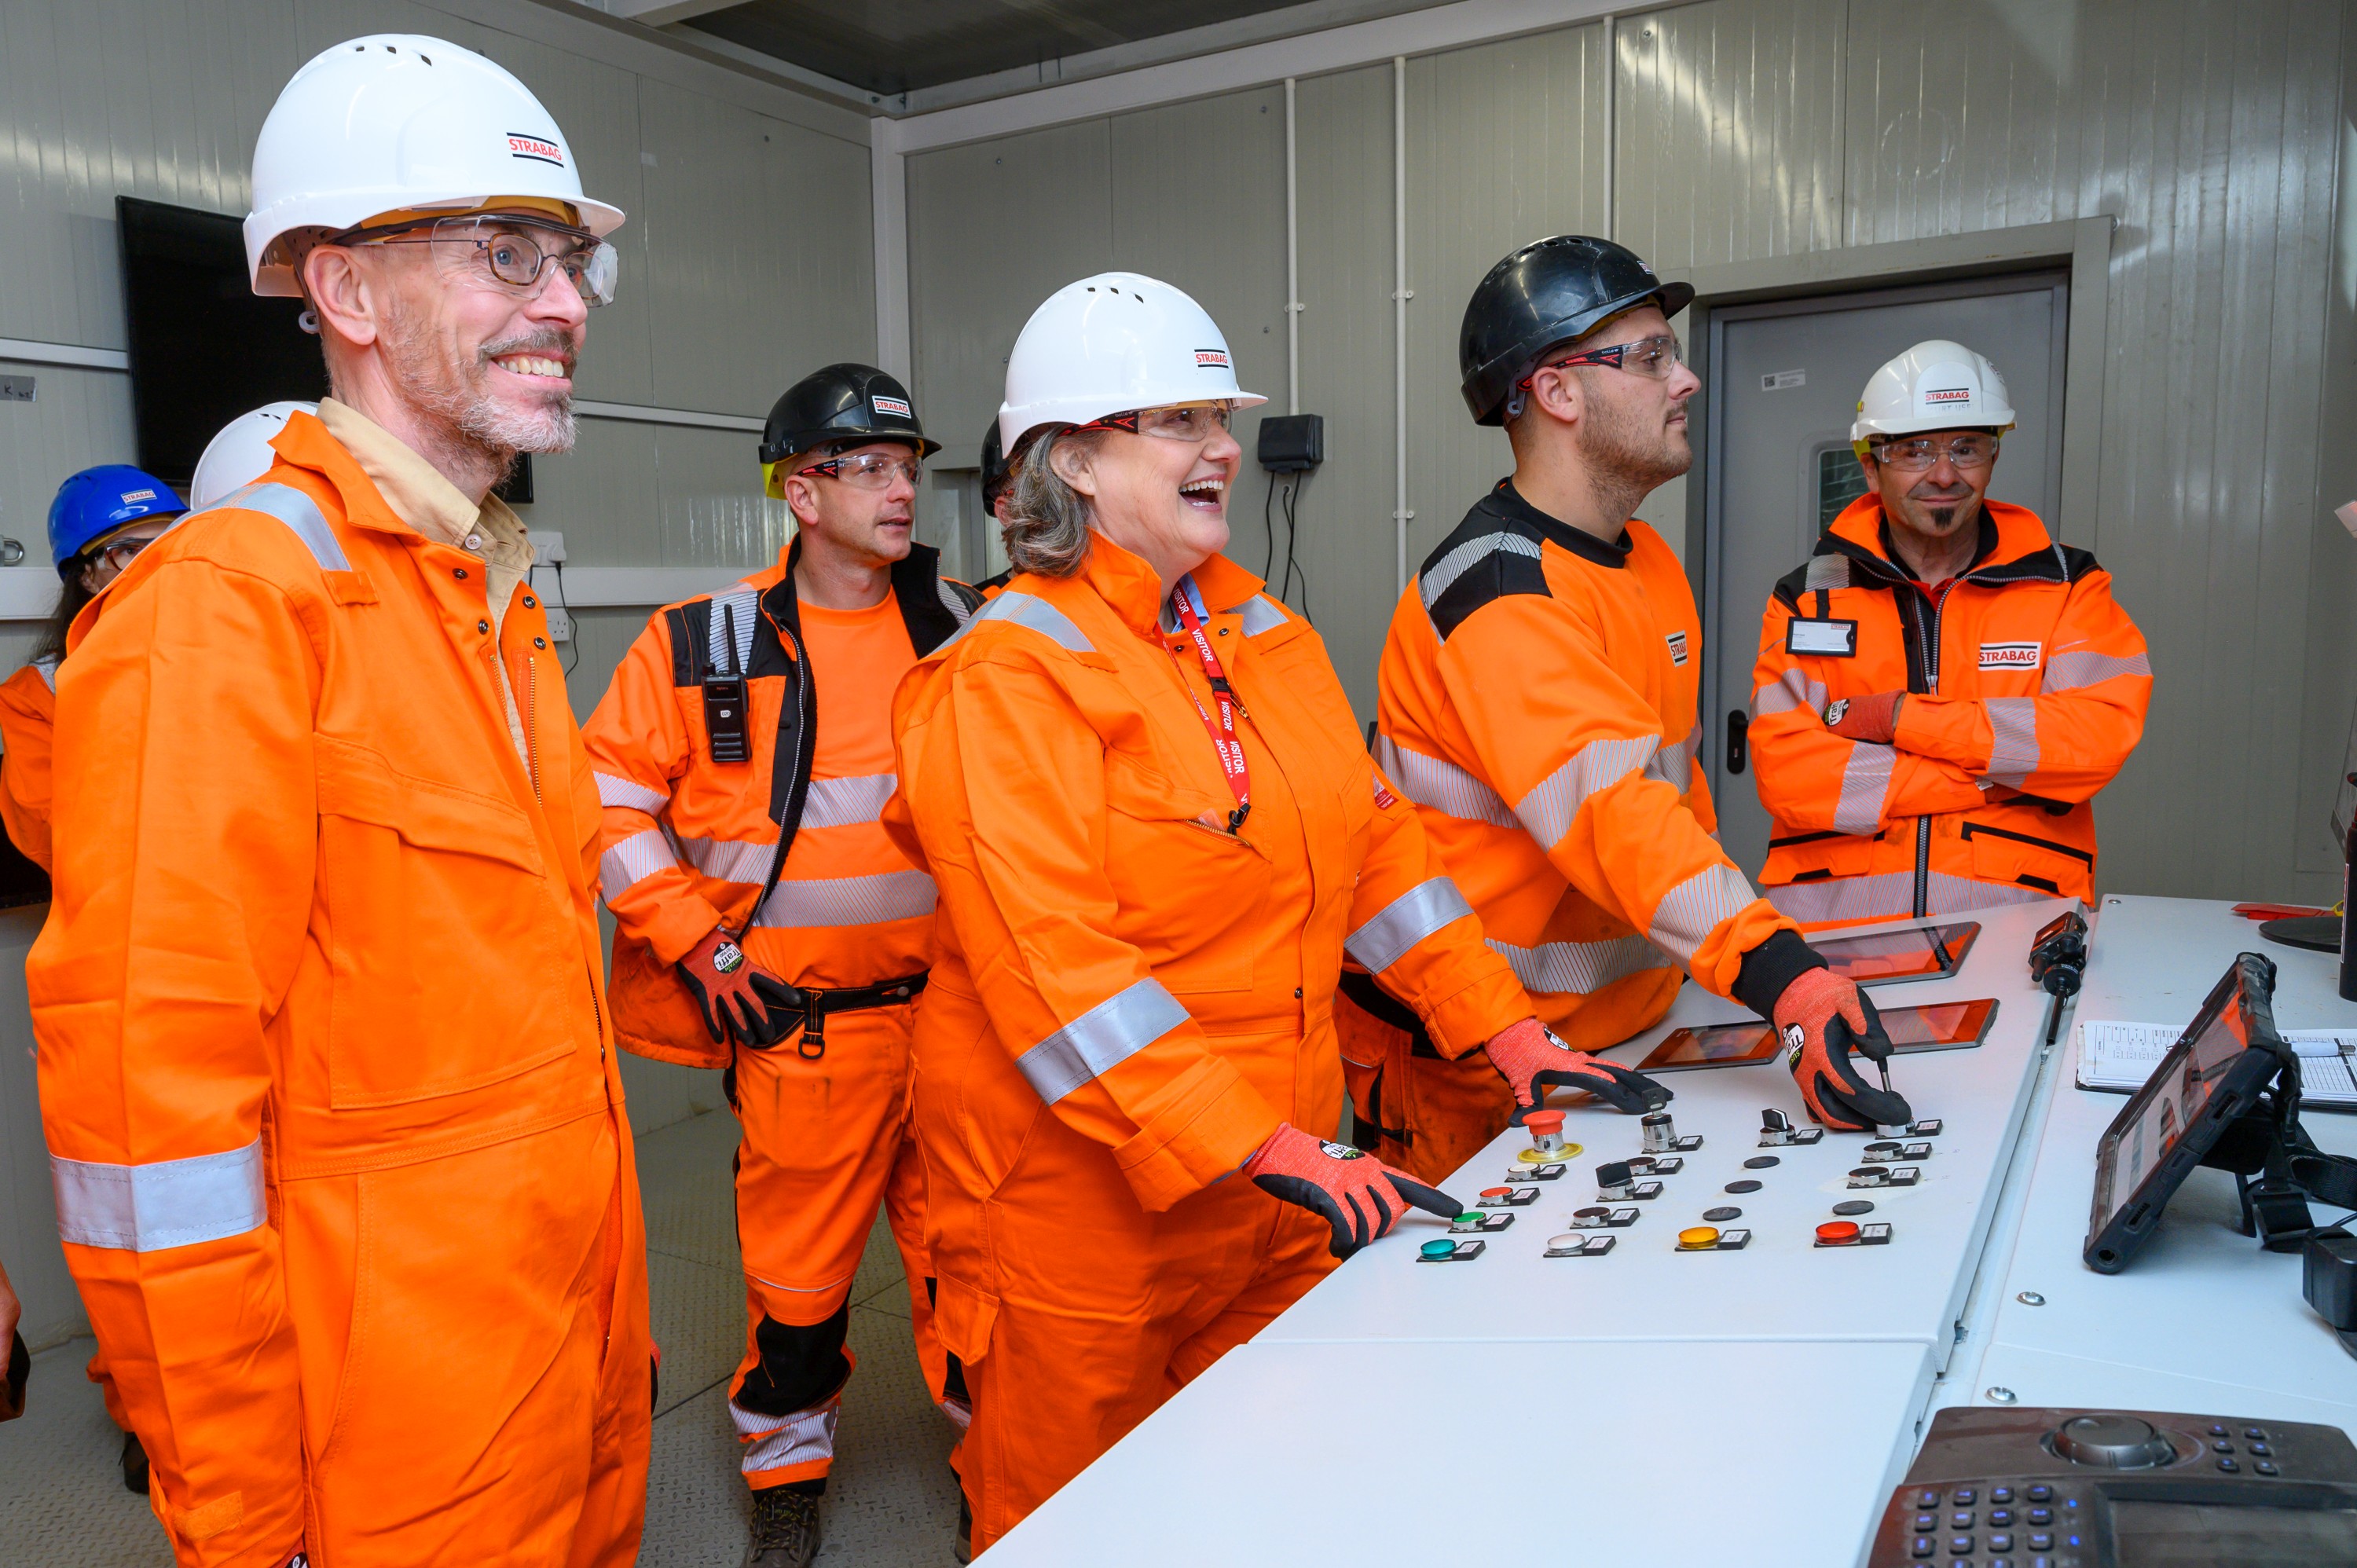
[(532, 723)]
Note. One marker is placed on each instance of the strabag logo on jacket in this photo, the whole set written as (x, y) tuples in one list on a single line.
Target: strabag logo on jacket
[(1677, 647), (2009, 655)]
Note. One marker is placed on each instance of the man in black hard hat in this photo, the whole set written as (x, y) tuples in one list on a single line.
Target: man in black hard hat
[(995, 477), (1537, 700), (764, 922)]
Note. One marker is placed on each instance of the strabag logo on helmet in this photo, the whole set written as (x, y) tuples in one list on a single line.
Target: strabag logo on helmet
[(1938, 395), (1213, 359), (892, 405), (130, 496), (2009, 655), (539, 149)]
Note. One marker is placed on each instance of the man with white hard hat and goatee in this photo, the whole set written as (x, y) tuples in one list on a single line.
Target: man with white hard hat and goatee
[(1942, 687), (342, 1165)]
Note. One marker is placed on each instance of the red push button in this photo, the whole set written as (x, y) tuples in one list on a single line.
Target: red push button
[(1837, 1233)]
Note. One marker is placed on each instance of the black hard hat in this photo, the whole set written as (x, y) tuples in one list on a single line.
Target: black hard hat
[(844, 405), (993, 469), (1549, 292)]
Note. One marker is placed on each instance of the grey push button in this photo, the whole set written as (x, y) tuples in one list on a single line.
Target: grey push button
[(1571, 1244), (1535, 1173)]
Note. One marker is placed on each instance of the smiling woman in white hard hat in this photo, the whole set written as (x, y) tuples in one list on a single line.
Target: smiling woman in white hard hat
[(340, 1159), (1156, 831)]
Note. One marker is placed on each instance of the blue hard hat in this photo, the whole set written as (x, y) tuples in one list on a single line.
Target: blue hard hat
[(97, 501)]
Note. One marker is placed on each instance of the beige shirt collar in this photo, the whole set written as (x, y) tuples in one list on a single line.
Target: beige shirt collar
[(422, 497)]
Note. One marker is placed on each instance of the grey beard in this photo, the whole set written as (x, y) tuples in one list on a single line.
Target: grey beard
[(469, 416)]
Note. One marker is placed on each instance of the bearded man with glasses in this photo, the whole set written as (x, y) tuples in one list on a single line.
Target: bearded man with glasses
[(766, 925), (1942, 687)]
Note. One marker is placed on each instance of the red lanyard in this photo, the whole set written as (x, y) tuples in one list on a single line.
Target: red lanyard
[(1187, 605)]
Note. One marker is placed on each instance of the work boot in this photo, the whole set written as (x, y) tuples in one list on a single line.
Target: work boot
[(135, 1465), (963, 1550), (785, 1528)]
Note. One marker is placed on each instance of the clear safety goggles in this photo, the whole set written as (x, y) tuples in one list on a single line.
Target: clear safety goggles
[(1653, 358), (1915, 454), (118, 554), (517, 254), (868, 470), (1196, 422)]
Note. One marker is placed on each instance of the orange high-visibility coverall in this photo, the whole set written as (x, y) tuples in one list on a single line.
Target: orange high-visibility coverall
[(29, 722), (2027, 687), (689, 841), (341, 1162), (1536, 700), (1129, 999)]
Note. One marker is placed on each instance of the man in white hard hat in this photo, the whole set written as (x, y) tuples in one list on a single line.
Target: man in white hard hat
[(339, 1142), (1942, 687)]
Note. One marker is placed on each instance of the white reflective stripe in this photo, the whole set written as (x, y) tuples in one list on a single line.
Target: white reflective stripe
[(1443, 785), (772, 1444), (729, 860), (1579, 968), (836, 901), (1032, 611), (1793, 689), (1549, 809), (1675, 764), (1866, 783), (1826, 571), (167, 1203), (632, 861), (1101, 1040), (1405, 921), (1260, 614), (1689, 912), (842, 802), (49, 669), (2013, 739), (1435, 580), (615, 790), (1892, 894), (2068, 671), (743, 604), (952, 601), (299, 513)]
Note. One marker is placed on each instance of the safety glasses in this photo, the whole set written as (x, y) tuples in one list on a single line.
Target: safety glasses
[(119, 555), (1197, 422), (516, 254), (1653, 358), (1916, 454), (868, 471)]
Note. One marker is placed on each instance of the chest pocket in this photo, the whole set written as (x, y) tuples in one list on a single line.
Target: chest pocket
[(446, 943), (1205, 887)]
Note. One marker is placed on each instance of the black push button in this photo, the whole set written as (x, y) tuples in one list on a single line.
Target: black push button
[(1961, 1521), (2000, 1517), (2040, 1492), (2253, 1432), (1959, 1545), (2261, 1448), (2229, 1467), (2041, 1542), (2221, 1448), (1961, 1496), (1923, 1546), (2040, 1515), (1926, 1498), (1924, 1521), (2000, 1543), (2265, 1468), (2217, 1431), (2001, 1494)]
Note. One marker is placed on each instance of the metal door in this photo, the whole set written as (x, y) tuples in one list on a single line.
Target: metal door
[(1784, 380)]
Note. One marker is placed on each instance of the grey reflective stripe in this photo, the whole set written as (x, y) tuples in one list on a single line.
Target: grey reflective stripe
[(1689, 912), (772, 1443), (841, 803), (952, 601), (744, 606), (1550, 809), (1866, 783), (2013, 739), (297, 511), (1443, 785), (633, 860), (1405, 921), (167, 1203), (729, 860), (49, 669), (1892, 894), (1793, 689), (837, 901), (1826, 571), (2068, 671), (1579, 969), (616, 790), (1676, 764), (1032, 611), (1260, 614), (1434, 581), (1101, 1040)]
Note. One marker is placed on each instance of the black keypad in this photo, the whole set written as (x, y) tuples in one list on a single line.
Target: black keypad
[(2039, 1493)]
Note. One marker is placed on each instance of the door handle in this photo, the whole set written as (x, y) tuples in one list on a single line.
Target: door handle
[(1738, 733)]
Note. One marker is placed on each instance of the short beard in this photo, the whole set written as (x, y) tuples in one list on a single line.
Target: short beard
[(1627, 455), (452, 397)]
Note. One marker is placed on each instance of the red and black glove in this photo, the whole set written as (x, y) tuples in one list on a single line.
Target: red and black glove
[(723, 981), (1821, 1017), (1355, 1192), (1532, 1058), (1873, 717)]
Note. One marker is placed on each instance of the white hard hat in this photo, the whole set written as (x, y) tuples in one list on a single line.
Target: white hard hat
[(1935, 385), (1110, 344), (392, 121), (239, 453)]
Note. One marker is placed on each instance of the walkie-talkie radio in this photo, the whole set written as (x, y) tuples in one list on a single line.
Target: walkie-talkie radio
[(726, 726)]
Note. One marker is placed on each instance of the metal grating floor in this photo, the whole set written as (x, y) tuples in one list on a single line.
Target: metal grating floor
[(893, 1500)]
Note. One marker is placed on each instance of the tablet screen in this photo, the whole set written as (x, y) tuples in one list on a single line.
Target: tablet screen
[(1940, 1026), (2172, 1098), (1918, 952)]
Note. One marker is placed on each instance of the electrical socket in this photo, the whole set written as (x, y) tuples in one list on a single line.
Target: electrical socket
[(547, 547), (560, 625)]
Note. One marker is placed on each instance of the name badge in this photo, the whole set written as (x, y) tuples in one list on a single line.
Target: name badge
[(1824, 638)]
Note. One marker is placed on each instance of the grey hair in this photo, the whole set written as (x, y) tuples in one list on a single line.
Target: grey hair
[(1043, 520)]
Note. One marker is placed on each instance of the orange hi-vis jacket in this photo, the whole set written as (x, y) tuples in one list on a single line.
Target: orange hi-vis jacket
[(2026, 690), (29, 722), (342, 1161), (689, 841)]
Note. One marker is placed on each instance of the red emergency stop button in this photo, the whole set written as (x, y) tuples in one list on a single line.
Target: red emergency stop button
[(1837, 1233)]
